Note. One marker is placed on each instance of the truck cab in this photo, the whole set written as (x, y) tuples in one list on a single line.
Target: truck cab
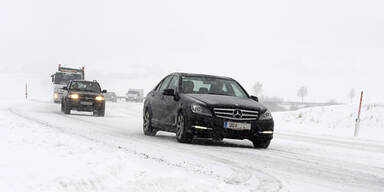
[(62, 77)]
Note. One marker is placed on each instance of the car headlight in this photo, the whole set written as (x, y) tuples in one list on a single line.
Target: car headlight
[(266, 115), (99, 98), (56, 96), (196, 108), (74, 96)]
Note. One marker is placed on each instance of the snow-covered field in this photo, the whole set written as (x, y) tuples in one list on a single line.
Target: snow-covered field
[(44, 150), (337, 120)]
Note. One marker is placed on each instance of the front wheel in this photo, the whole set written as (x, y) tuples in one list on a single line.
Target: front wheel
[(147, 125), (62, 107), (100, 113), (182, 135), (66, 109), (261, 143)]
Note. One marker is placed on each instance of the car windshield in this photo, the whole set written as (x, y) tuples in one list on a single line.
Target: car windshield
[(85, 86), (212, 85)]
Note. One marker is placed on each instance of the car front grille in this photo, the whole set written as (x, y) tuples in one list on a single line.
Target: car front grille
[(236, 114), (87, 97)]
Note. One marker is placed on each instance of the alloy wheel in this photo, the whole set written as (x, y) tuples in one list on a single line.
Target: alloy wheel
[(146, 121), (180, 126)]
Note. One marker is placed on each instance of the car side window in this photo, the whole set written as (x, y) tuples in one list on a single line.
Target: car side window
[(174, 84), (74, 86), (158, 86), (165, 83)]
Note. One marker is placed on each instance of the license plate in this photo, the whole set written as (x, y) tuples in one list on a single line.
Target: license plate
[(237, 126), (85, 103)]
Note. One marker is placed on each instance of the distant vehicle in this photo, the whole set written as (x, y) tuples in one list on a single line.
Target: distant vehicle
[(206, 106), (110, 96), (62, 77), (135, 95), (121, 98), (83, 95)]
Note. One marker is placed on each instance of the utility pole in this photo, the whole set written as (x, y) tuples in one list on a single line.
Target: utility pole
[(357, 125), (26, 91)]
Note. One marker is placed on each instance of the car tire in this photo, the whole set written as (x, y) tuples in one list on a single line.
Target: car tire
[(67, 110), (182, 135), (100, 113), (62, 107), (147, 124), (260, 143)]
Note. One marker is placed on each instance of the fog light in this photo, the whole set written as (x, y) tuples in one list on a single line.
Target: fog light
[(266, 132), (201, 127)]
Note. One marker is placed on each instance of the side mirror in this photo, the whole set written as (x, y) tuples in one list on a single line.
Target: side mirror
[(169, 92), (104, 91), (65, 88), (255, 98)]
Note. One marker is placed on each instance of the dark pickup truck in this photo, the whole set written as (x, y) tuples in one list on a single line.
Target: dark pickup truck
[(84, 96)]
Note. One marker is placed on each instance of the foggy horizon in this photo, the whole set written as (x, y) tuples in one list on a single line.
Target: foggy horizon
[(328, 47)]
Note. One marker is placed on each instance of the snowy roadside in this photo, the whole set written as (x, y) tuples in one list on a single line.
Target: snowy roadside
[(333, 121), (41, 158), (44, 150)]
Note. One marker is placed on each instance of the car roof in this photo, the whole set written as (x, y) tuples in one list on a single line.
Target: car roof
[(200, 75), (84, 81)]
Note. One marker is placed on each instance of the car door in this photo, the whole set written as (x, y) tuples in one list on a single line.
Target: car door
[(157, 102), (170, 104), (66, 92)]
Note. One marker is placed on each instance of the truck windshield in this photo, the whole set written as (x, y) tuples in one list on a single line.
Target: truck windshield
[(133, 93), (212, 86), (64, 78), (85, 86)]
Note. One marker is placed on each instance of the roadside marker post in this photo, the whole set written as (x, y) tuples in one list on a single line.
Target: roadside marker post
[(26, 91), (357, 125)]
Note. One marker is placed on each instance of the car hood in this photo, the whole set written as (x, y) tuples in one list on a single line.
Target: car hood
[(227, 101), (86, 93)]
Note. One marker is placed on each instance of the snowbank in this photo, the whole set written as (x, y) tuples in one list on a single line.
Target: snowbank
[(336, 120)]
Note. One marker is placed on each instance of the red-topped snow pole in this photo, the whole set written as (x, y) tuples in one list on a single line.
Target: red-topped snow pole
[(357, 125)]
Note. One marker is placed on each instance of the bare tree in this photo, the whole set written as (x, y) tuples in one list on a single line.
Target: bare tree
[(302, 92), (258, 88), (352, 94)]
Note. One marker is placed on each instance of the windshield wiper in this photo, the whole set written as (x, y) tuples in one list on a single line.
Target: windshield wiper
[(219, 94)]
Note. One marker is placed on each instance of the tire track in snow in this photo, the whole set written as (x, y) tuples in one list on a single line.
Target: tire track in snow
[(239, 176), (349, 144)]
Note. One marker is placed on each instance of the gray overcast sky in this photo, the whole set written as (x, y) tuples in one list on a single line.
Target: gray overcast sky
[(329, 46)]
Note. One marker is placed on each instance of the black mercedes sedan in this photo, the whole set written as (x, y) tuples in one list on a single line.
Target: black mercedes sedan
[(206, 106)]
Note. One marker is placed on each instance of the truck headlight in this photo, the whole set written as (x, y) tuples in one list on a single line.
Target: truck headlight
[(266, 115), (196, 108), (99, 98), (74, 96)]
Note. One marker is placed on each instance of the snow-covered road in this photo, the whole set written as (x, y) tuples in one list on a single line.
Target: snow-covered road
[(45, 150)]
